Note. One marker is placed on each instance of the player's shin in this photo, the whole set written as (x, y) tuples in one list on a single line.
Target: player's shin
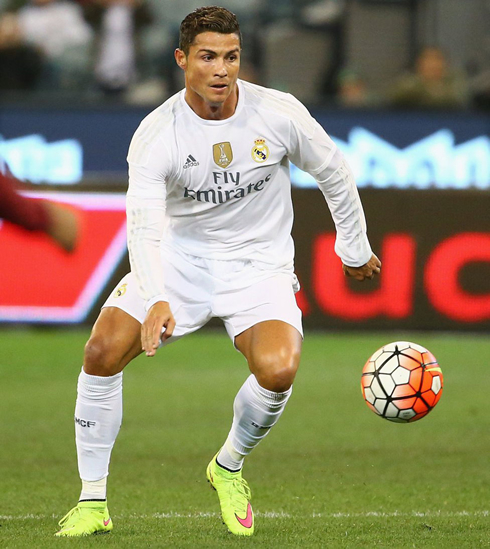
[(98, 416), (256, 410)]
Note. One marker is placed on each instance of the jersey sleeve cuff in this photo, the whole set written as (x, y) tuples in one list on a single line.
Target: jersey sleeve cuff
[(359, 262), (156, 299)]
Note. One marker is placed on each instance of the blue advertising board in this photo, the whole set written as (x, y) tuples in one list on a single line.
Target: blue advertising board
[(385, 149)]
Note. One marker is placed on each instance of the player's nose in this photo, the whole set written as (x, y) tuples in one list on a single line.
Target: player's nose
[(221, 68)]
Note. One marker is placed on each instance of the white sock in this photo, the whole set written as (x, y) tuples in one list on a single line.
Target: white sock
[(98, 416), (256, 410), (94, 489)]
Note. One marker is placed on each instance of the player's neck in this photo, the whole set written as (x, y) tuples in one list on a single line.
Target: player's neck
[(212, 111)]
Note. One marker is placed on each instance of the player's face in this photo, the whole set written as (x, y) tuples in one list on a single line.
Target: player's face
[(211, 71)]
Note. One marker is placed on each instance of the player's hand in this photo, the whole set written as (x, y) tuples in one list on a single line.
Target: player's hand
[(158, 318), (63, 225), (368, 270)]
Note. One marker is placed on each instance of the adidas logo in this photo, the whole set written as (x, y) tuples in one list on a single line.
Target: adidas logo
[(190, 162)]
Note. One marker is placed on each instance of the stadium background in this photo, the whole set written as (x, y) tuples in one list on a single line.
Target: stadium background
[(424, 175)]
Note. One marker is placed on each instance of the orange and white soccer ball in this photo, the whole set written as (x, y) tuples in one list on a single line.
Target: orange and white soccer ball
[(402, 382)]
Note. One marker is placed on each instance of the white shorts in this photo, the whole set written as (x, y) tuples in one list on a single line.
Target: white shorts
[(240, 292)]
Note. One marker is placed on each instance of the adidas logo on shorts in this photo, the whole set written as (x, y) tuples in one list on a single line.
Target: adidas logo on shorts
[(190, 162)]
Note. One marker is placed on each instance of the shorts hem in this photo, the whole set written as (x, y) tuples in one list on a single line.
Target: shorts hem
[(126, 310), (241, 330)]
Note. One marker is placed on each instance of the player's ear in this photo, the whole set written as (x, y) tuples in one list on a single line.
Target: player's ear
[(180, 58)]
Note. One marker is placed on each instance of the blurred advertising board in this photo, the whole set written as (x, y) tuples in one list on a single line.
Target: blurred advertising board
[(434, 245)]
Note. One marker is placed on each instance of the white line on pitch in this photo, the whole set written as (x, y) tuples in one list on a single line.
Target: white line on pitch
[(278, 515)]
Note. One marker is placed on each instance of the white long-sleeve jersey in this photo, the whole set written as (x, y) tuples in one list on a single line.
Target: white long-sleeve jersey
[(221, 188)]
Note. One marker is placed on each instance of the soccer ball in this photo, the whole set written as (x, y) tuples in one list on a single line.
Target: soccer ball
[(402, 382)]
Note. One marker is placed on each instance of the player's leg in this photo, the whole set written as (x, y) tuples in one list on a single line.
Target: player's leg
[(272, 349), (114, 342), (270, 338)]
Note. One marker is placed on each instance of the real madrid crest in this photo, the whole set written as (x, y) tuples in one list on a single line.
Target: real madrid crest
[(121, 290), (260, 151), (222, 154)]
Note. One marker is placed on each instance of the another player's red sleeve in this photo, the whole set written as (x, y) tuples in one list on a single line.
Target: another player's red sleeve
[(29, 213)]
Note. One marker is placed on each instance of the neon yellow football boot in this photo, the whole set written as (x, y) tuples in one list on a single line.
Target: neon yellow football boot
[(88, 517), (234, 499)]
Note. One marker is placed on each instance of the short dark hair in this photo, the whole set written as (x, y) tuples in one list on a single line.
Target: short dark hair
[(207, 19)]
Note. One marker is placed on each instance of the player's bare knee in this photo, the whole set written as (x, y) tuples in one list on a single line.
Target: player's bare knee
[(100, 358), (280, 381), (276, 371)]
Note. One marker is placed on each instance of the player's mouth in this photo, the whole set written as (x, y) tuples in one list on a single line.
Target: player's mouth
[(219, 87)]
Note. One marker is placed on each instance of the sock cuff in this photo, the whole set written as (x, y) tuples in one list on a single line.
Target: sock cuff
[(99, 384), (271, 398)]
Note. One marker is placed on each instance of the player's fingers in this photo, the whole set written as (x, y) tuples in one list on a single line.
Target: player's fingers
[(156, 335), (144, 335), (150, 337), (365, 275), (169, 328)]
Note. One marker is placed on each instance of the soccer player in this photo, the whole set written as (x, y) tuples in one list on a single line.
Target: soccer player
[(56, 220), (209, 235)]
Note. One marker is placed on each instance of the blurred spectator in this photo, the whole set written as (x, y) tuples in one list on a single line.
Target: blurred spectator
[(432, 85), (324, 12), (20, 63), (58, 30), (480, 90), (353, 91), (118, 55), (328, 17), (478, 67)]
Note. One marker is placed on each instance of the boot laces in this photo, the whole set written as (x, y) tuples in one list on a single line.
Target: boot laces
[(240, 490)]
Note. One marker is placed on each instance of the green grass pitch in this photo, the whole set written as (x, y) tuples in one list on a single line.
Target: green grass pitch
[(330, 474)]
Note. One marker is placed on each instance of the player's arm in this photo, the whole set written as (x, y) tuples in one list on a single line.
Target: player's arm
[(146, 213), (146, 222), (337, 184), (314, 151), (56, 220), (16, 208)]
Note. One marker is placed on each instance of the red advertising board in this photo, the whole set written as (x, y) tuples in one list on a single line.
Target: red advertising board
[(41, 283), (435, 250)]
